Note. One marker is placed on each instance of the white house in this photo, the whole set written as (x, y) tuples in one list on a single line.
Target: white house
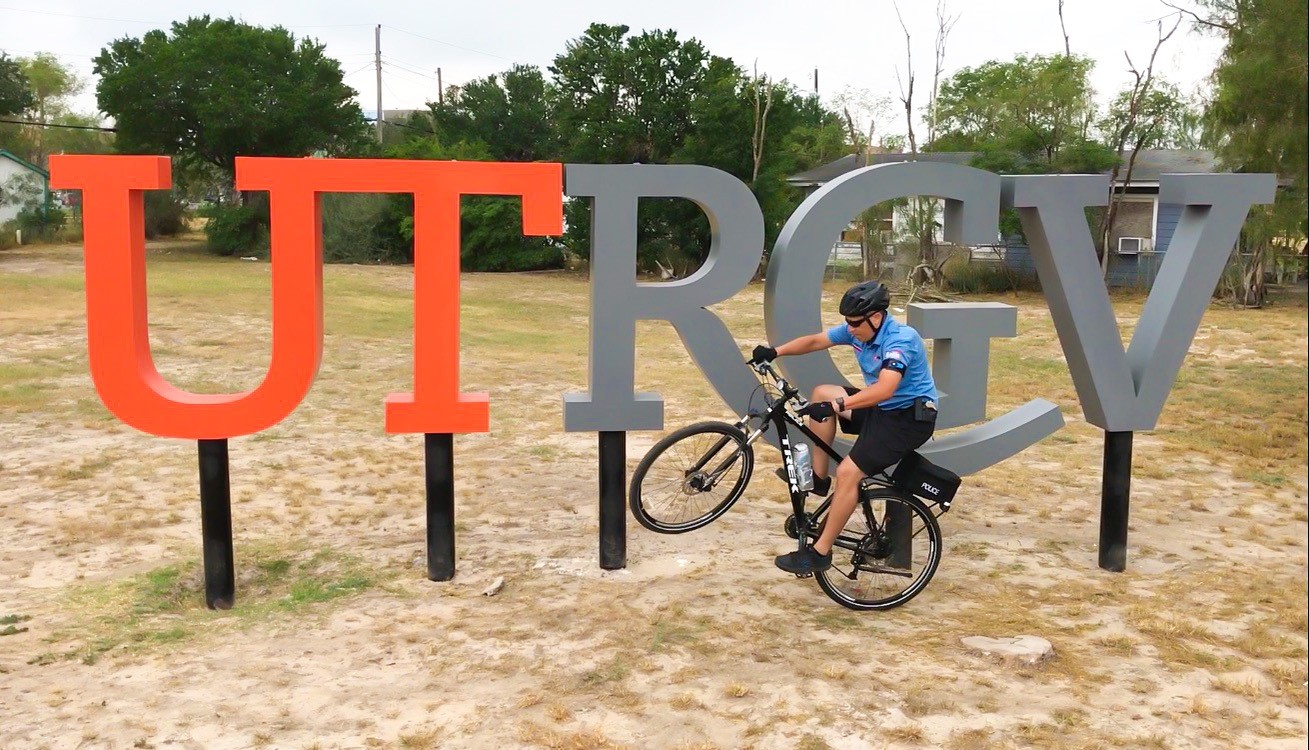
[(20, 182)]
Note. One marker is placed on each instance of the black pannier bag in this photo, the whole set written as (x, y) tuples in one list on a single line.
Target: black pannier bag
[(926, 480)]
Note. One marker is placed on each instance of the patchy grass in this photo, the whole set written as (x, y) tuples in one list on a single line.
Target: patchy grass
[(166, 605)]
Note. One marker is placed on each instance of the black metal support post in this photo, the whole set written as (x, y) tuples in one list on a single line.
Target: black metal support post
[(1114, 494), (438, 449), (216, 524), (900, 527), (613, 500)]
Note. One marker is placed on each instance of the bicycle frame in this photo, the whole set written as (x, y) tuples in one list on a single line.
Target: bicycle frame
[(778, 417)]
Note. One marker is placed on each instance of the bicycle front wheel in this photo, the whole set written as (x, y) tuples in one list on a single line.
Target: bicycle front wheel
[(885, 555), (691, 477)]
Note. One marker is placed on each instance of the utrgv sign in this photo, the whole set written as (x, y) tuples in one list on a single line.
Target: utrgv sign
[(1120, 390)]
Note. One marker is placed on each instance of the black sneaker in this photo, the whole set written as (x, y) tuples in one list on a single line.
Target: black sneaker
[(822, 485), (805, 562)]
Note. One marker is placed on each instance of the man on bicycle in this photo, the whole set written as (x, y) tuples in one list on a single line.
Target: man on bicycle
[(893, 414)]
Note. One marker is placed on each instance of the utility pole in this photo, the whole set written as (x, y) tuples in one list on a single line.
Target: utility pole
[(380, 117), (440, 90), (815, 81)]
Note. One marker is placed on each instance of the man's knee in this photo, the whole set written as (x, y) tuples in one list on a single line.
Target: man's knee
[(848, 472), (827, 393)]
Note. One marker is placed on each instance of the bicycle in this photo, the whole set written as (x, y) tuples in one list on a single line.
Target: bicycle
[(874, 556)]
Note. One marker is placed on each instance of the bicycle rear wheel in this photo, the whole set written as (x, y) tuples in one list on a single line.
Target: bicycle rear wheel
[(691, 477), (885, 555)]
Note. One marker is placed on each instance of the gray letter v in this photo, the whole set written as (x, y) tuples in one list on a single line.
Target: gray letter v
[(1123, 391)]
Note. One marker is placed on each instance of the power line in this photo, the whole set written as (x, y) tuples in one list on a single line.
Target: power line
[(391, 62), (71, 15), (165, 23), (403, 69), (448, 44), (397, 63), (82, 58), (58, 125)]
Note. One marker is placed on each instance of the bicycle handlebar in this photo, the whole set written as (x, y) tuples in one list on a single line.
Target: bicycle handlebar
[(766, 370)]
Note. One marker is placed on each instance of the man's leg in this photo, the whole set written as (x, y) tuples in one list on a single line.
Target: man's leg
[(819, 556), (846, 496), (827, 428)]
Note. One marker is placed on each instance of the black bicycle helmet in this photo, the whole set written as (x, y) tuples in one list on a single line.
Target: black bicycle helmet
[(865, 299)]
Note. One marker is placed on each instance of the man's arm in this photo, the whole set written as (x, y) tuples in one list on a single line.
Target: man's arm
[(805, 344), (884, 388)]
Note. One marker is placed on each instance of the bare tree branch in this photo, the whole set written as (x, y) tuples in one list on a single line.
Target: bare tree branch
[(907, 97), (1207, 22), (760, 119), (1068, 50), (944, 23), (849, 123), (1136, 100)]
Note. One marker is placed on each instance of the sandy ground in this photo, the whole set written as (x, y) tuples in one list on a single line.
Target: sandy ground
[(700, 642)]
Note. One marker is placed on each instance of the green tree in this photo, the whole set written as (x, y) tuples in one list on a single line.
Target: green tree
[(50, 87), (792, 133), (1256, 120), (1029, 115), (209, 90), (52, 84), (1151, 114), (15, 93), (654, 98), (628, 99), (490, 227), (77, 134), (1026, 115), (510, 112)]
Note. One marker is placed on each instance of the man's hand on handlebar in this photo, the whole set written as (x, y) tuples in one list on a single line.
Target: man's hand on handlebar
[(763, 354), (818, 410)]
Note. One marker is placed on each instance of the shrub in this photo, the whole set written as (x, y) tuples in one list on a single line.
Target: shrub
[(40, 221), (165, 214), (978, 278), (493, 241), (238, 230), (360, 228)]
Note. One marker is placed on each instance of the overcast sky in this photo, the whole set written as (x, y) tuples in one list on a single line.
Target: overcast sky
[(851, 43)]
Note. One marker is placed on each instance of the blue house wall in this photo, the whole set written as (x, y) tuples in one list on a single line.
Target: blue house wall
[(1126, 270)]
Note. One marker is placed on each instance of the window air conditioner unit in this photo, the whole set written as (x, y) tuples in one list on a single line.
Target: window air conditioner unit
[(1133, 245)]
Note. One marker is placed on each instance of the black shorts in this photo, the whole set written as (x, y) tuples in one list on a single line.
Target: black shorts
[(885, 436)]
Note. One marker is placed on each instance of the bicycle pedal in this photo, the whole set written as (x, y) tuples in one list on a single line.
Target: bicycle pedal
[(804, 575)]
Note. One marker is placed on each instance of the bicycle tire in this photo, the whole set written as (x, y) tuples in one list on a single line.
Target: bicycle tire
[(667, 491), (861, 586)]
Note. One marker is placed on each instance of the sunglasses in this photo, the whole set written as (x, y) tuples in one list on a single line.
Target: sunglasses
[(859, 322)]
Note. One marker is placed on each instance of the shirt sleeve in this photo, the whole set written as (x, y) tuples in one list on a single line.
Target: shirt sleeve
[(899, 354), (840, 335)]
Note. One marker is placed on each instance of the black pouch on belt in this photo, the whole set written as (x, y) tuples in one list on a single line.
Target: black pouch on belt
[(924, 410)]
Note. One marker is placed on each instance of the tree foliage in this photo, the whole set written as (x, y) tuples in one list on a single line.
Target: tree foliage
[(490, 227), (1256, 119), (208, 91), (1164, 118), (1257, 116), (15, 93), (51, 86), (628, 99), (1026, 115), (510, 113)]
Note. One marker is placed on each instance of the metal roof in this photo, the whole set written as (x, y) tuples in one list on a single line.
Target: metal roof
[(24, 163), (1150, 164)]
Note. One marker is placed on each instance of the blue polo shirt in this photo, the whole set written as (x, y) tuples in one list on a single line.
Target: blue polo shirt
[(898, 347)]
